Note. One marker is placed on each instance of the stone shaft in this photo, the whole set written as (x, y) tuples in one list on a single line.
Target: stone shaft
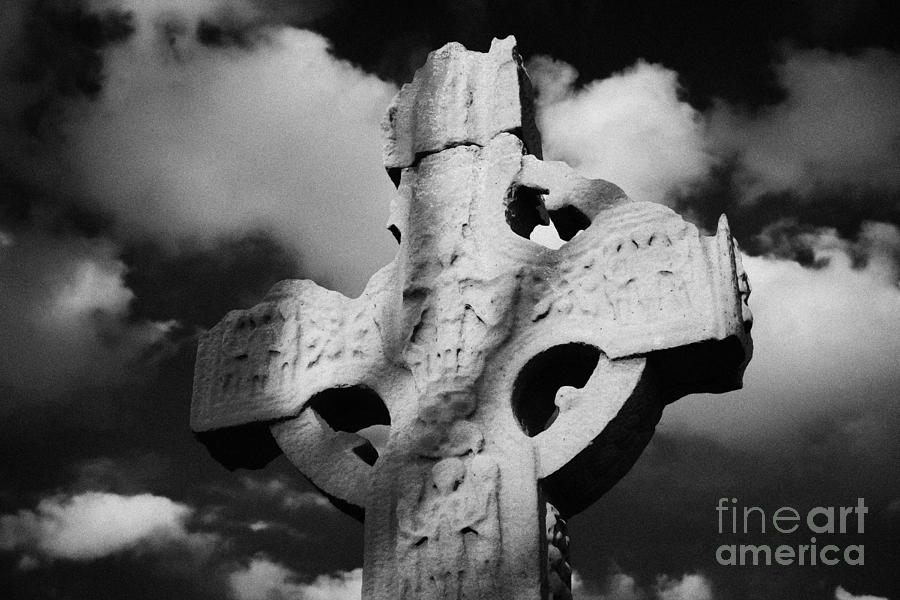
[(519, 382)]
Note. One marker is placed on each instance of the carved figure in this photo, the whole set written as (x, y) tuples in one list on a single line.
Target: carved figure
[(449, 531)]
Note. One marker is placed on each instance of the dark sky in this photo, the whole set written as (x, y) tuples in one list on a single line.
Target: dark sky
[(161, 165)]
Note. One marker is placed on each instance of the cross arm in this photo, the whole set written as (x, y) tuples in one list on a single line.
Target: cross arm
[(659, 307), (287, 360)]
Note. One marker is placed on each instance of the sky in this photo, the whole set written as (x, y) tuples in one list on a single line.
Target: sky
[(162, 163)]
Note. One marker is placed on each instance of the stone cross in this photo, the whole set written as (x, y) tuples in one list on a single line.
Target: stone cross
[(519, 382)]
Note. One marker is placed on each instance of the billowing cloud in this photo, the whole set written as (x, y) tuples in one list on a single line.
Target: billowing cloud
[(842, 594), (278, 489), (838, 126), (340, 586), (618, 586), (193, 141), (631, 128), (826, 345), (689, 587), (621, 586), (92, 525), (826, 152), (264, 579), (64, 314)]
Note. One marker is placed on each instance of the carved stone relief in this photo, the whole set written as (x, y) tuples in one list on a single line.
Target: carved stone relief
[(258, 350), (442, 334), (449, 529)]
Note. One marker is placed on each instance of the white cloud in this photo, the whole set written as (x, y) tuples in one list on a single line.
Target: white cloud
[(826, 346), (189, 142), (92, 286), (64, 311), (341, 586), (689, 587), (621, 586), (838, 126), (630, 128), (263, 579), (842, 594), (281, 491), (92, 525)]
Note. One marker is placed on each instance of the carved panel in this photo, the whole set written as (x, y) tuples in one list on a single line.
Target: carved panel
[(449, 538), (258, 351), (648, 274), (454, 327), (575, 289)]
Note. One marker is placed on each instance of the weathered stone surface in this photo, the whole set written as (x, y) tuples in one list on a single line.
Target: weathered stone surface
[(519, 382), (460, 97)]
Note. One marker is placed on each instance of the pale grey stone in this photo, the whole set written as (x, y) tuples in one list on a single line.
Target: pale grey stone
[(459, 97), (520, 382)]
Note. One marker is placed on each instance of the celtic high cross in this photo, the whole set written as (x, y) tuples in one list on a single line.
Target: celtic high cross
[(519, 382)]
